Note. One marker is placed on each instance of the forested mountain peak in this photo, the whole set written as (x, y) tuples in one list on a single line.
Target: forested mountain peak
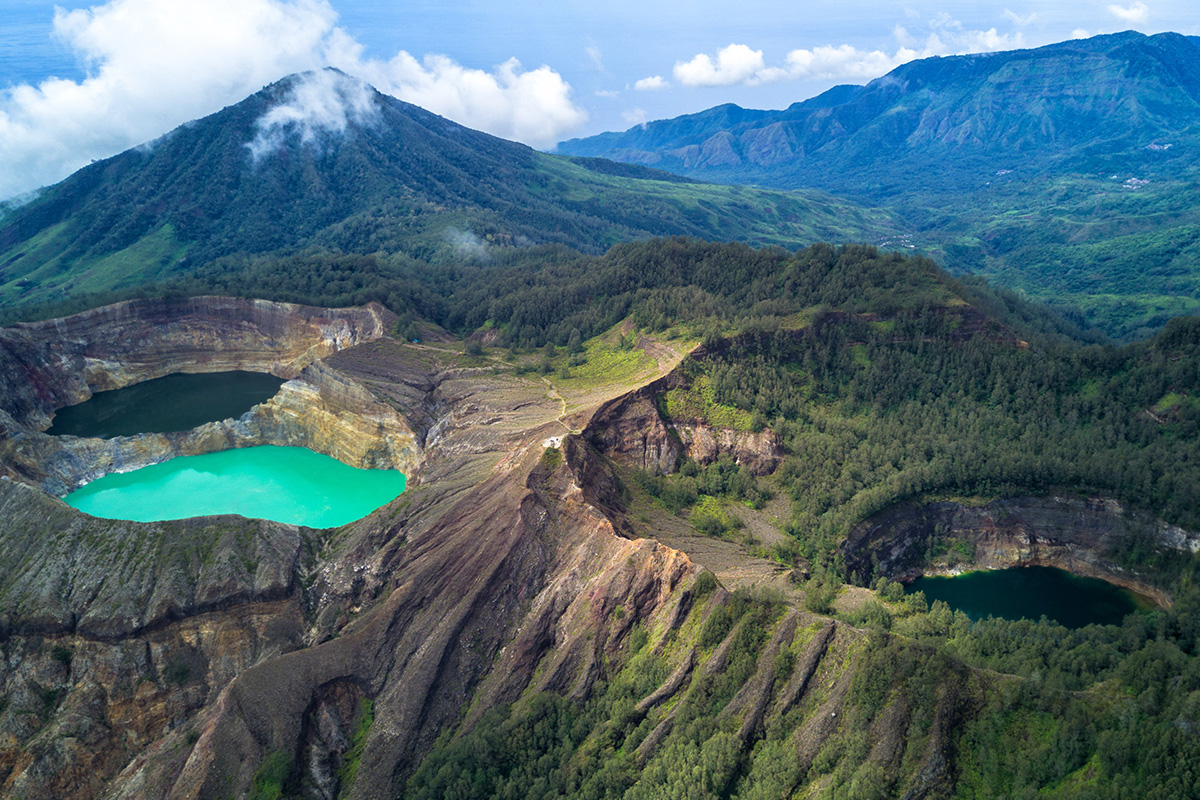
[(323, 160)]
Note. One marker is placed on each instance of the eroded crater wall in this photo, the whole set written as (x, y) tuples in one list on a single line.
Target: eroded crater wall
[(49, 364)]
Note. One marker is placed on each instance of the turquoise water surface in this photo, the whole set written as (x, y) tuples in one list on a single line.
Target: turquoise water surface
[(285, 484), (1030, 593)]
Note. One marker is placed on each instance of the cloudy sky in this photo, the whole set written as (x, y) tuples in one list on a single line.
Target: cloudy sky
[(81, 81)]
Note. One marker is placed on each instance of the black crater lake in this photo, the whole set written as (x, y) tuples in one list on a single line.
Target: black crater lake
[(1030, 593), (172, 403), (285, 484)]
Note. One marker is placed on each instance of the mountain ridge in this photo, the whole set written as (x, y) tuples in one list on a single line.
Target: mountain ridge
[(843, 112)]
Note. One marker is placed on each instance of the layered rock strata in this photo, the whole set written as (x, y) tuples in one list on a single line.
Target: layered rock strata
[(62, 361), (47, 365)]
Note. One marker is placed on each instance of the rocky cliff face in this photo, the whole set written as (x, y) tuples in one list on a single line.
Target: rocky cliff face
[(113, 634), (760, 453), (633, 432), (60, 362), (630, 430), (1071, 533)]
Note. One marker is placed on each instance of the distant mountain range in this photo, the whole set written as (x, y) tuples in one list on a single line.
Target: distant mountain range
[(1068, 171), (323, 161), (1082, 104)]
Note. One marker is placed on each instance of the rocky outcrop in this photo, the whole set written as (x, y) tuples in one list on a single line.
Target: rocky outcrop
[(633, 432), (759, 453), (630, 431), (115, 634), (1072, 533), (62, 572)]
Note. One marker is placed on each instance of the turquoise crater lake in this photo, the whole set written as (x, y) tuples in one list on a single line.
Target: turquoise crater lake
[(1030, 593), (285, 484)]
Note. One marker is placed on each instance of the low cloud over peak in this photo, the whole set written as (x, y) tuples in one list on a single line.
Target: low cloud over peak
[(321, 102), (531, 106)]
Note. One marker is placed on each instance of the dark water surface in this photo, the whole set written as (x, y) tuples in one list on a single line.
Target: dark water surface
[(171, 403), (1029, 593), (285, 484)]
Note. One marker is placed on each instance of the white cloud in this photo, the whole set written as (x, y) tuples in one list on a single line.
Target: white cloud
[(319, 102), (844, 62), (611, 94), (739, 64), (651, 84), (734, 64), (1020, 20), (634, 116), (152, 65), (532, 106), (1136, 14), (1080, 33)]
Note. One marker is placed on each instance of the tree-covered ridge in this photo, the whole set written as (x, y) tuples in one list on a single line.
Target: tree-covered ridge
[(873, 412), (540, 294), (939, 707), (398, 182)]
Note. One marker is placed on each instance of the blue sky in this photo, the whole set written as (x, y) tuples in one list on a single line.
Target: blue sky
[(81, 80)]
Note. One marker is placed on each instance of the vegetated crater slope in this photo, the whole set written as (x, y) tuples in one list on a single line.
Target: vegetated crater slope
[(417, 651), (666, 423)]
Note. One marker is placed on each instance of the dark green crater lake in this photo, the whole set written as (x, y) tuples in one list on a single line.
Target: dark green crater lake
[(1029, 593), (172, 403), (285, 484)]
